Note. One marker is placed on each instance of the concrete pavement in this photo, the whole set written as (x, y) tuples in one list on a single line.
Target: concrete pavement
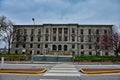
[(59, 72)]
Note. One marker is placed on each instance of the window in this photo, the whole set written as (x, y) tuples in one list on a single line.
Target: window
[(106, 53), (90, 46), (46, 45), (54, 38), (73, 46), (81, 39), (17, 38), (54, 47), (39, 31), (38, 38), (32, 31), (24, 38), (31, 45), (60, 38), (16, 51), (82, 47), (25, 31), (65, 47), (105, 31), (65, 30), (89, 31), (65, 38), (73, 30), (97, 39), (89, 39), (54, 30), (59, 47), (24, 45), (59, 30), (32, 38), (31, 52), (98, 47), (17, 45), (73, 53), (47, 31), (82, 53), (38, 52), (46, 38), (81, 31), (90, 53), (97, 31), (18, 31), (38, 46), (73, 38)]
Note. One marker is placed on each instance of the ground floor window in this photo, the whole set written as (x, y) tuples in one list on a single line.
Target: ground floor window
[(16, 51), (59, 47), (38, 52), (82, 53), (106, 53), (73, 53), (54, 47), (90, 53), (65, 47), (31, 52), (46, 45)]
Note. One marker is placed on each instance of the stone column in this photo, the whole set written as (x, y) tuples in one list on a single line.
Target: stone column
[(57, 34), (62, 34)]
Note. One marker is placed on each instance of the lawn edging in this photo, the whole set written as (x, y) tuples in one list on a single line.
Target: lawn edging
[(23, 71), (99, 72)]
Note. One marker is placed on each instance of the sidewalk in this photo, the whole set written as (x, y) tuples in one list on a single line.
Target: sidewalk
[(45, 62), (30, 62)]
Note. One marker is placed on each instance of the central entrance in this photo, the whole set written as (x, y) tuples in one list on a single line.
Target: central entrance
[(59, 47)]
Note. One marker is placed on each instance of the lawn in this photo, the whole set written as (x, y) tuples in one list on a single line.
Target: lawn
[(96, 58), (14, 56)]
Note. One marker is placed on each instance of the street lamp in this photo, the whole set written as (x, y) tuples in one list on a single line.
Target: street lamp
[(33, 50), (33, 20)]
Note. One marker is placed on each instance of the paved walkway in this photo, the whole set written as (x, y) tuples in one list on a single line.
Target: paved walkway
[(62, 70)]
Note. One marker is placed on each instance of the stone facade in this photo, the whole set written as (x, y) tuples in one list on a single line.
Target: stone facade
[(72, 39)]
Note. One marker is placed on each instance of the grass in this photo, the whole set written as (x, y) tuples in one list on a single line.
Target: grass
[(13, 56), (97, 58)]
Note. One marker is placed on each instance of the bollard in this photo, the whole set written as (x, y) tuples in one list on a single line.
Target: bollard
[(2, 62)]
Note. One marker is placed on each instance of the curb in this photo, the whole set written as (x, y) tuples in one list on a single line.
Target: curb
[(99, 72), (23, 72)]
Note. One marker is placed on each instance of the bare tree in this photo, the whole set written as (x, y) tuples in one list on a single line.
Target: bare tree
[(106, 42), (116, 40), (7, 34), (96, 41), (112, 41), (116, 43)]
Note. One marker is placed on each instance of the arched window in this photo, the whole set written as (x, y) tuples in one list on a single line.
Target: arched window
[(65, 47), (59, 47), (54, 47)]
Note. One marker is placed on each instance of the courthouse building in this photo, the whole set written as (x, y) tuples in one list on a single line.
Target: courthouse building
[(62, 39)]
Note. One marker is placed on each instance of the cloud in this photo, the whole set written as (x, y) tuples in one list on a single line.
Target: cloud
[(62, 11)]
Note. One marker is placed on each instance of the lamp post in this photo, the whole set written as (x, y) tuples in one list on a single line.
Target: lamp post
[(33, 20), (33, 50)]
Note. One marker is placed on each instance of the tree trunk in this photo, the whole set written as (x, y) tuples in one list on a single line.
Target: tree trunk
[(116, 53), (8, 48)]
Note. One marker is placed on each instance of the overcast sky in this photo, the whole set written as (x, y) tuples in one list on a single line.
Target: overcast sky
[(61, 11)]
